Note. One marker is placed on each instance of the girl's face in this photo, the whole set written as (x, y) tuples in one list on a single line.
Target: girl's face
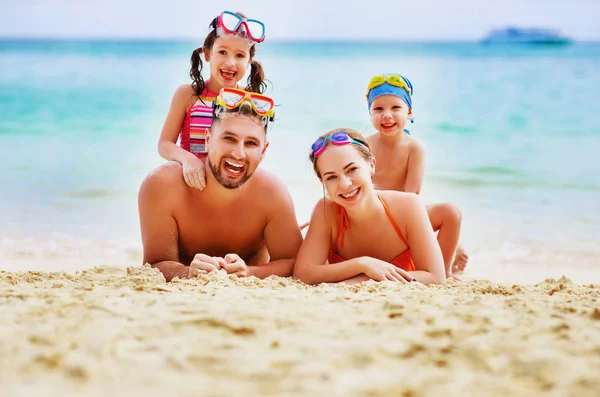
[(229, 58), (346, 174)]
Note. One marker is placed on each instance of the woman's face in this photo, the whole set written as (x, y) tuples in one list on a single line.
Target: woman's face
[(346, 174)]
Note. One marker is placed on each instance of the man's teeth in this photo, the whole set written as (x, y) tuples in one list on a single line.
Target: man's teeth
[(351, 194), (233, 167)]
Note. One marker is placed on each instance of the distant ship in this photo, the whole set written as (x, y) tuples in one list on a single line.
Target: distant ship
[(512, 35)]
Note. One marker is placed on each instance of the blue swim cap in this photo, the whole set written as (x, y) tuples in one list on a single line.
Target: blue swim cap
[(389, 89)]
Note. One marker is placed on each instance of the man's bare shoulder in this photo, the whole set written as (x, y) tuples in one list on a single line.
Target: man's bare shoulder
[(169, 174), (268, 184)]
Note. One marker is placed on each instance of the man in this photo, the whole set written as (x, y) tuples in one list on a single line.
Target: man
[(243, 221)]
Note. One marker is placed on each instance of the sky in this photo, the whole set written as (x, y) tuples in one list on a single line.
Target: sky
[(297, 19)]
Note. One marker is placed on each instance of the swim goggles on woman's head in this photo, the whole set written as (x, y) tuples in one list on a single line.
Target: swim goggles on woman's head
[(392, 79), (232, 24), (339, 138), (230, 100)]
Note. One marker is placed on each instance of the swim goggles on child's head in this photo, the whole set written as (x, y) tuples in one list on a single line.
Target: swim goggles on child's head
[(339, 138), (392, 79), (233, 24), (230, 100)]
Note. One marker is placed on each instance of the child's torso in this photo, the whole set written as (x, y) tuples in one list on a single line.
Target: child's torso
[(196, 124), (391, 165)]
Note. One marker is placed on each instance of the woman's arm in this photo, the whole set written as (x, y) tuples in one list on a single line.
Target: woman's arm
[(424, 247), (311, 264)]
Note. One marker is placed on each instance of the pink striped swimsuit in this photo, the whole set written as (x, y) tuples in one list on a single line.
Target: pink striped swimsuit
[(192, 136)]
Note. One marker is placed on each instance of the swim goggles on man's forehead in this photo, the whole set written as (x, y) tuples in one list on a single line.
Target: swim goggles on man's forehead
[(339, 138), (230, 100), (233, 24), (392, 79)]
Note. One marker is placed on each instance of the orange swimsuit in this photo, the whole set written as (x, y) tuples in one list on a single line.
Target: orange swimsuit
[(403, 261)]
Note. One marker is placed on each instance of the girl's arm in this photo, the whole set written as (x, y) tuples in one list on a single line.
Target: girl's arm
[(310, 265), (415, 169), (193, 168), (424, 247), (167, 143)]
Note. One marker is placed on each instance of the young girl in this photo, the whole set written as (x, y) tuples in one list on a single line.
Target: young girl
[(359, 233), (229, 48)]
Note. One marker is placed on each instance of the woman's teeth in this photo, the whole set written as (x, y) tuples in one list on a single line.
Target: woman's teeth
[(351, 194)]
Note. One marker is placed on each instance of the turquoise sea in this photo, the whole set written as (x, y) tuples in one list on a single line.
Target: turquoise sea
[(512, 135)]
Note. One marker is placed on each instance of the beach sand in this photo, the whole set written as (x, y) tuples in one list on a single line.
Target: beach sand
[(114, 331)]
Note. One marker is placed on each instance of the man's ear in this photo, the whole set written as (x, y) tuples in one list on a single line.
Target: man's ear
[(207, 136), (262, 155)]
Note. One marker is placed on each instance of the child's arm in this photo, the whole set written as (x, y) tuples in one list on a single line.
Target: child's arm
[(415, 168), (193, 168)]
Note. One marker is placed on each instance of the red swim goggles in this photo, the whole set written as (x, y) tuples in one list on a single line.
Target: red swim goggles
[(231, 23)]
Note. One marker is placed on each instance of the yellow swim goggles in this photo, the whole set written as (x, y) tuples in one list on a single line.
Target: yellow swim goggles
[(231, 98), (392, 79)]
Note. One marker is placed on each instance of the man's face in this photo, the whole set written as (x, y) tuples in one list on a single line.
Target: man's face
[(235, 149)]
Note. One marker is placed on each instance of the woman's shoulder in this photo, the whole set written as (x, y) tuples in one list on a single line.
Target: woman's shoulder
[(395, 199)]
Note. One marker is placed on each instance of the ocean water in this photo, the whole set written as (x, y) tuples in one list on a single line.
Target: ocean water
[(512, 135)]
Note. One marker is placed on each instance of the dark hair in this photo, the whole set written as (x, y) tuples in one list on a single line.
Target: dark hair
[(365, 151), (256, 80)]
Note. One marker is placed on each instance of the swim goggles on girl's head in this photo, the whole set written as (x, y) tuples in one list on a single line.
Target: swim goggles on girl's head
[(233, 24), (339, 138), (230, 100), (392, 79)]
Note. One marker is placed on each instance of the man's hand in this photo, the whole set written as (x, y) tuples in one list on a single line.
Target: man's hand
[(203, 264), (233, 264)]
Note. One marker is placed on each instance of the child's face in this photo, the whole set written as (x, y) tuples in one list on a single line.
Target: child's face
[(390, 114), (345, 174), (229, 58)]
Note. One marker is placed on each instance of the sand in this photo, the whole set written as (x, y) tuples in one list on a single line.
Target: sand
[(110, 331)]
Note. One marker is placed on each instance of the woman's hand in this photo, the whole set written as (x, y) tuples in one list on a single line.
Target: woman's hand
[(379, 270)]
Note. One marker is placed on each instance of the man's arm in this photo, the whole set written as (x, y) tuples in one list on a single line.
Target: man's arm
[(415, 168), (282, 235), (158, 226)]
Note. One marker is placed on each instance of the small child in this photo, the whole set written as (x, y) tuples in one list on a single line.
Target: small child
[(401, 160)]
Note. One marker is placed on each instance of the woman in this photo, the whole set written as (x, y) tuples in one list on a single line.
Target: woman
[(359, 233)]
